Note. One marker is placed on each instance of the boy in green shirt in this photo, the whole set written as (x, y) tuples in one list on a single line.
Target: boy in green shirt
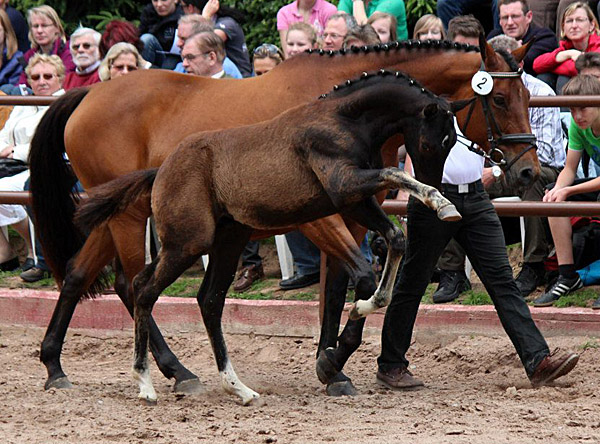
[(584, 134)]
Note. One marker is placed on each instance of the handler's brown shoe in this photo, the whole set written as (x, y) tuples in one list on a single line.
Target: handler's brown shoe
[(399, 379), (247, 277), (556, 364)]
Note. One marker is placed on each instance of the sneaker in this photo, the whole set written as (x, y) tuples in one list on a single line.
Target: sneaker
[(248, 275), (562, 287), (530, 277), (556, 364), (452, 284), (399, 379), (34, 274)]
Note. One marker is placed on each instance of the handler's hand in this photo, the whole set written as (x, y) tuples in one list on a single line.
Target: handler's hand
[(557, 194)]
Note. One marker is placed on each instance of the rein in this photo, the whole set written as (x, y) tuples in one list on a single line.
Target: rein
[(495, 155)]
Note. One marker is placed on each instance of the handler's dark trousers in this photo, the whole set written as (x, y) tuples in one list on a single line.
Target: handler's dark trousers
[(480, 234)]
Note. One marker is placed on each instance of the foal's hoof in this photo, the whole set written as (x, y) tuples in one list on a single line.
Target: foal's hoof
[(354, 313), (449, 213), (58, 383), (189, 387), (326, 371), (148, 402), (342, 388)]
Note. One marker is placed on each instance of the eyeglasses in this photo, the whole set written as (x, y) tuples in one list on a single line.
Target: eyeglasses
[(42, 25), (514, 18), (36, 77), (578, 20), (85, 46), (333, 35), (190, 57)]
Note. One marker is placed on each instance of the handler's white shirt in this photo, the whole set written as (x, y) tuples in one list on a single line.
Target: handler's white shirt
[(462, 165)]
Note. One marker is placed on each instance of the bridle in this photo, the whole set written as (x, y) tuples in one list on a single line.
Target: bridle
[(495, 156)]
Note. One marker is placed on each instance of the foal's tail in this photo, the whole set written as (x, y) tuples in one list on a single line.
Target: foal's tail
[(114, 197), (52, 180)]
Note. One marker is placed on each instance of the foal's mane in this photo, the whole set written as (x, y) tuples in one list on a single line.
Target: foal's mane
[(365, 79)]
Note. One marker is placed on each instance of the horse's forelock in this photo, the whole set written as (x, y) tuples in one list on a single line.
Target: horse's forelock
[(509, 59)]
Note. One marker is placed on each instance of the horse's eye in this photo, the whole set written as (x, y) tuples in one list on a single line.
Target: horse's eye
[(499, 101)]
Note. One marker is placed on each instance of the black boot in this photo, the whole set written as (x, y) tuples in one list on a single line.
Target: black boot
[(452, 284)]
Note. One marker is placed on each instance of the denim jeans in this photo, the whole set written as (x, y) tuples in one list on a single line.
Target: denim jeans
[(307, 257), (480, 234)]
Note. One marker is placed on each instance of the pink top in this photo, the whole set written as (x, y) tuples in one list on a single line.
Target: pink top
[(321, 11)]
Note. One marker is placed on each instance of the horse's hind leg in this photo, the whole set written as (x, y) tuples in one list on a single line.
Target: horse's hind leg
[(185, 381), (227, 248), (95, 254)]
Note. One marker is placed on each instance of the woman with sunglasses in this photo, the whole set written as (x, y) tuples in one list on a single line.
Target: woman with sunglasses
[(227, 22), (266, 57), (579, 34), (45, 74), (122, 58), (47, 36)]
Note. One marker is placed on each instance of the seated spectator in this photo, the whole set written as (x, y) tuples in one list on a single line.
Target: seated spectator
[(266, 57), (429, 27), (85, 51), (385, 25), (19, 25), (120, 31), (588, 64), (47, 36), (585, 124), (203, 55), (45, 73), (299, 37), (580, 34), (227, 22), (363, 9), (516, 22), (361, 36), (312, 12), (548, 13), (11, 67), (191, 24), (336, 29), (448, 9), (158, 24), (122, 58)]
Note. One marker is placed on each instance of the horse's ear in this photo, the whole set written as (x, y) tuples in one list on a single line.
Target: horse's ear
[(488, 54), (457, 105), (431, 110), (520, 52)]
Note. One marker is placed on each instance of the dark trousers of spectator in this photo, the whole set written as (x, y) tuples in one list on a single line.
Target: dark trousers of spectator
[(448, 9), (307, 256), (480, 234), (548, 13), (250, 255), (537, 235)]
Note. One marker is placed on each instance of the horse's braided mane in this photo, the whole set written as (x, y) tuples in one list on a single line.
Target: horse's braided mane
[(509, 59), (402, 44), (343, 87)]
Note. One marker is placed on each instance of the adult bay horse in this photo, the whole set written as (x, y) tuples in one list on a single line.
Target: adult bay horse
[(134, 122), (328, 152)]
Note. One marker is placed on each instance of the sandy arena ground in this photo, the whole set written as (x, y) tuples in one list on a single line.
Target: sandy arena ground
[(476, 392)]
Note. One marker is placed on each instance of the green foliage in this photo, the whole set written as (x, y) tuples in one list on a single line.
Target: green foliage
[(577, 299), (591, 344), (415, 9), (475, 298), (261, 20)]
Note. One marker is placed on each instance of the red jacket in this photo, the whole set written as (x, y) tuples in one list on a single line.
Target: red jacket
[(547, 62)]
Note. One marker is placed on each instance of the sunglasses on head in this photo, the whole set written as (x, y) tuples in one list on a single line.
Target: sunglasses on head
[(36, 77), (267, 50), (86, 46)]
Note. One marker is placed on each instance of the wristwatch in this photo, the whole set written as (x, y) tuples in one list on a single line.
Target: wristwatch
[(496, 172)]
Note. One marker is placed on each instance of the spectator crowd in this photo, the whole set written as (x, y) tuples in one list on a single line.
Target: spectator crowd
[(205, 38)]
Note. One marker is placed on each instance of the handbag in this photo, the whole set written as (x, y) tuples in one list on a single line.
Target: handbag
[(10, 167)]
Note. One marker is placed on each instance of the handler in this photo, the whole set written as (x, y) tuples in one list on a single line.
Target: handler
[(479, 232)]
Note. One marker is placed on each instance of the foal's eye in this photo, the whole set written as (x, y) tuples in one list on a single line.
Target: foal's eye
[(499, 101)]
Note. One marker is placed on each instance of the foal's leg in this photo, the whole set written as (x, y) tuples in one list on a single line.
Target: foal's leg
[(229, 242)]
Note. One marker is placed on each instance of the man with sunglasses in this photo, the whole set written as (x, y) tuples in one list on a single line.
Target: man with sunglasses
[(84, 46)]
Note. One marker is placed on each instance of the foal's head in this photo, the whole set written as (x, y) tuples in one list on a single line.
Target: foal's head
[(384, 103)]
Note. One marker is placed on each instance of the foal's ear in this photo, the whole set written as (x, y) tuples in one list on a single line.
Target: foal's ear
[(457, 105), (520, 52), (431, 110)]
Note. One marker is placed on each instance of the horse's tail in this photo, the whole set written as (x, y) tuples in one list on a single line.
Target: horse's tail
[(52, 180), (114, 197)]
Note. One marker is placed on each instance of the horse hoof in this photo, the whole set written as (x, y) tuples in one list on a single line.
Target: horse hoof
[(342, 388), (58, 383), (148, 402), (449, 213), (326, 371), (353, 314), (189, 387)]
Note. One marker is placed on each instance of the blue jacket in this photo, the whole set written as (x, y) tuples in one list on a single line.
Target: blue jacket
[(11, 69)]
